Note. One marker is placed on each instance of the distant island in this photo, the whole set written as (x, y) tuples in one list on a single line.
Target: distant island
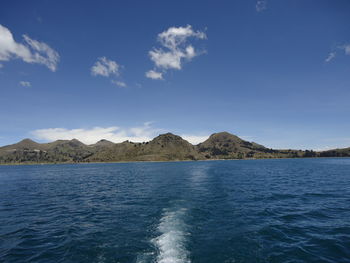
[(165, 147)]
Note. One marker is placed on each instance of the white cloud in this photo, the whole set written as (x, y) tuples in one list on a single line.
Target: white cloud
[(108, 68), (333, 54), (175, 36), (119, 83), (347, 49), (105, 67), (175, 49), (90, 136), (330, 57), (195, 139), (25, 84), (32, 51), (45, 55), (261, 5), (154, 74), (114, 134), (167, 60)]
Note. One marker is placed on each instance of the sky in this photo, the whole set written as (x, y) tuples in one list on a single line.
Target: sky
[(274, 72)]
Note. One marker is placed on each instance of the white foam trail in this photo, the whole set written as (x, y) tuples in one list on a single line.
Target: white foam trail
[(171, 243)]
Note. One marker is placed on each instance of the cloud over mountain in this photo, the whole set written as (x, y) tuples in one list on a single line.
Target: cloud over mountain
[(90, 136)]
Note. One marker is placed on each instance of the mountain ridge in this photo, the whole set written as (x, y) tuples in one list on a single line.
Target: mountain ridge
[(164, 147)]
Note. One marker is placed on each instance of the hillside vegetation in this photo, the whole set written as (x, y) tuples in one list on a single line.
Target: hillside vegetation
[(165, 147)]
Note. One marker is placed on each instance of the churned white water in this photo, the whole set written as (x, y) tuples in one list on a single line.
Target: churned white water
[(171, 243)]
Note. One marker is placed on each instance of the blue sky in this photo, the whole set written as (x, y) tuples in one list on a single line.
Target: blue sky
[(275, 72)]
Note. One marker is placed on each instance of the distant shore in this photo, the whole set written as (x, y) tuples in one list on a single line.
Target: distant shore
[(166, 147), (170, 161)]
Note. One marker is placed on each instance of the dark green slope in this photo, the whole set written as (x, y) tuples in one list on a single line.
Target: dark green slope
[(336, 153)]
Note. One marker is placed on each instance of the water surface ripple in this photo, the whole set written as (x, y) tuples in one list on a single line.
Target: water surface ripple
[(216, 211)]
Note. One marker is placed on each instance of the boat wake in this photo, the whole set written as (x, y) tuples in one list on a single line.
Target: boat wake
[(171, 243)]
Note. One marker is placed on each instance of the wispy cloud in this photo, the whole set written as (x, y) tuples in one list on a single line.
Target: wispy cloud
[(154, 74), (261, 5), (346, 48), (25, 84), (341, 48), (174, 49), (31, 51), (89, 136), (330, 56), (119, 83)]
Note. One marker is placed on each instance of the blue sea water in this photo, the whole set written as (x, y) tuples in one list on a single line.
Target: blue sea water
[(295, 210)]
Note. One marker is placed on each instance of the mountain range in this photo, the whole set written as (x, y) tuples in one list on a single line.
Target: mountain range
[(165, 147)]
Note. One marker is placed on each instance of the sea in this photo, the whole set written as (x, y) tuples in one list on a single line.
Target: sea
[(234, 211)]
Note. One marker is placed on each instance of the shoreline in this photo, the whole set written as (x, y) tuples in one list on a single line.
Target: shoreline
[(170, 161)]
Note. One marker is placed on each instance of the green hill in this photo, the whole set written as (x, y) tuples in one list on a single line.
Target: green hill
[(336, 153), (165, 147)]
